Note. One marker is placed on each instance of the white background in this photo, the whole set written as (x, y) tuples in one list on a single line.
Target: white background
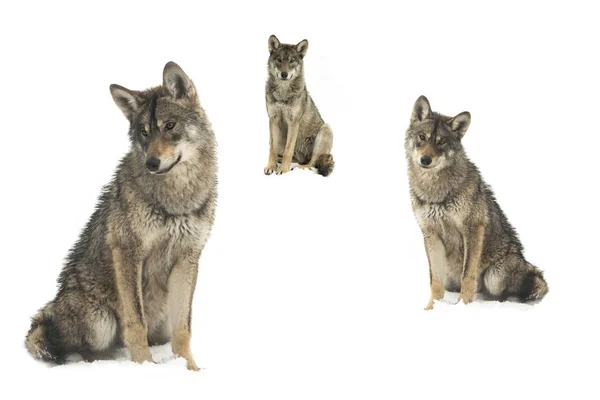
[(314, 287)]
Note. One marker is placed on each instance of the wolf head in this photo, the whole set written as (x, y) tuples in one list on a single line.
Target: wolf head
[(165, 122), (433, 140), (286, 60)]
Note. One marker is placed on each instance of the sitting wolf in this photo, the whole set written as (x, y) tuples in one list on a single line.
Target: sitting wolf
[(470, 245), (297, 131), (130, 277)]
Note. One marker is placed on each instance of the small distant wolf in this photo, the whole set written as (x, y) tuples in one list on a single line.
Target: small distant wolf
[(471, 247), (130, 278), (297, 131)]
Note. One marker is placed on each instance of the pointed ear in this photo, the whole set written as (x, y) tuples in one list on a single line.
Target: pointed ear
[(460, 123), (302, 48), (129, 101), (421, 110), (179, 84), (273, 43)]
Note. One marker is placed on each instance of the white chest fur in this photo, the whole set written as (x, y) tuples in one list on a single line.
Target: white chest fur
[(185, 231), (437, 216)]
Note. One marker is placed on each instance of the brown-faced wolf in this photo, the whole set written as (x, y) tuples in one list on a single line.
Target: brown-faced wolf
[(470, 245), (130, 278), (297, 131)]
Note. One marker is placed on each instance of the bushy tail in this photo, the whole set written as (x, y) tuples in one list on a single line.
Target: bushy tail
[(43, 338), (534, 286), (324, 164)]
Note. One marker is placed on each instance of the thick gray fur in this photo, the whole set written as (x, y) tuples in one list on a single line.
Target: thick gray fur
[(130, 278)]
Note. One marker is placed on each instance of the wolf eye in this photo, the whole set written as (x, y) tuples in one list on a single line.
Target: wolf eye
[(279, 59), (144, 133), (422, 137), (170, 125), (293, 60), (441, 141)]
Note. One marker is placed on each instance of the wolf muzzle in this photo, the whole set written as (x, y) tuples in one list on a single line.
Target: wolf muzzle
[(154, 164), (425, 161)]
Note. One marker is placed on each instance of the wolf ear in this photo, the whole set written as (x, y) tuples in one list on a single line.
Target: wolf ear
[(179, 84), (460, 123), (128, 101), (421, 110), (273, 43), (302, 47)]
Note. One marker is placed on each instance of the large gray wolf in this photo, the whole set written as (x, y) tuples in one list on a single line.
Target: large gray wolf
[(130, 278), (297, 131), (470, 245)]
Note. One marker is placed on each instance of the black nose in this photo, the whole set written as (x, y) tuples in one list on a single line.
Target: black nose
[(152, 164), (425, 160), (284, 75)]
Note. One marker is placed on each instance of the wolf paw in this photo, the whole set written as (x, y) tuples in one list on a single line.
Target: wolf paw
[(283, 169), (466, 297), (269, 170), (191, 365), (142, 356)]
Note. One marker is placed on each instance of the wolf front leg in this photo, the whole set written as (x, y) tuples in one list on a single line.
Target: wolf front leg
[(436, 256), (128, 276), (473, 247), (182, 283), (274, 139), (290, 146)]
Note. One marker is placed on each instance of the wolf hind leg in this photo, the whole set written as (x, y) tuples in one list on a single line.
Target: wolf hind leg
[(102, 330), (99, 331), (66, 326), (321, 154), (515, 278)]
